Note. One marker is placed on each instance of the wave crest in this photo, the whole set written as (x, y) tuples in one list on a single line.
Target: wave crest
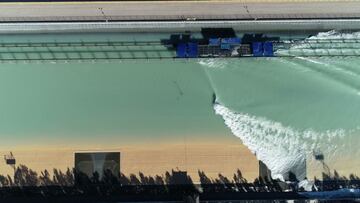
[(281, 148), (214, 63)]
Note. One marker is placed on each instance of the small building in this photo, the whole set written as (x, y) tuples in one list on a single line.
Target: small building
[(264, 171), (94, 165), (180, 178)]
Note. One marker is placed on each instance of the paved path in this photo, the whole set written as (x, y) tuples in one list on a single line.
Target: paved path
[(203, 10), (181, 26)]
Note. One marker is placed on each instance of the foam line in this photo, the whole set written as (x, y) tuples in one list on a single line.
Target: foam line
[(281, 148)]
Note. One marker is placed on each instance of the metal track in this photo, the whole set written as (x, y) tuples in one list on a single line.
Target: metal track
[(126, 50)]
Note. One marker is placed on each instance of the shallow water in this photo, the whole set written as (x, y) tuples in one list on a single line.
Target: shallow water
[(283, 109), (287, 109)]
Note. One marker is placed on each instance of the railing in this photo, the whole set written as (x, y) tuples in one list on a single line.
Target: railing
[(319, 47), (84, 51)]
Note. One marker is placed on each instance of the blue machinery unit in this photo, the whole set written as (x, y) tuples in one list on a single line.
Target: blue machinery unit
[(225, 47), (187, 50), (262, 49)]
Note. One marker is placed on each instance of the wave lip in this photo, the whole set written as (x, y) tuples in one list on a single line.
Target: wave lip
[(281, 148), (332, 43)]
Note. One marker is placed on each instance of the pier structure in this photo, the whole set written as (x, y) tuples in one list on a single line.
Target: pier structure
[(146, 50)]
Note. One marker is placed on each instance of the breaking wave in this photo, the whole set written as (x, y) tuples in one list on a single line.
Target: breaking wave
[(333, 34), (332, 43), (284, 148), (281, 148), (214, 63)]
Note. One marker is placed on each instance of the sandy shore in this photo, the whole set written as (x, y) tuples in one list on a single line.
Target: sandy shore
[(151, 159)]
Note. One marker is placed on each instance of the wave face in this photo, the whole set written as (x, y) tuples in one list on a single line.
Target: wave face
[(330, 43), (281, 148), (287, 110), (333, 34)]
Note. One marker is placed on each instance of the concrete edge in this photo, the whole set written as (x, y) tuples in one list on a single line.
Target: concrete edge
[(180, 26)]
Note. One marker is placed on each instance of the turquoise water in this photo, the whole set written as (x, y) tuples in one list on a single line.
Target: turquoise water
[(316, 93), (90, 100), (283, 109)]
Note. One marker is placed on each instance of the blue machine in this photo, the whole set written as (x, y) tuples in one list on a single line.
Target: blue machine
[(214, 41), (231, 41), (192, 50), (187, 50), (257, 49), (181, 50), (268, 49), (225, 46), (224, 43), (256, 46)]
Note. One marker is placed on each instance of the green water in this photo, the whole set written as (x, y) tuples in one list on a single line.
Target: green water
[(317, 93), (101, 101), (127, 101), (143, 99), (290, 108)]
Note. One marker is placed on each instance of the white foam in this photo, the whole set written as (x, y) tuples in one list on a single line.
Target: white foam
[(214, 63), (318, 62), (321, 62), (333, 34), (332, 43), (281, 148)]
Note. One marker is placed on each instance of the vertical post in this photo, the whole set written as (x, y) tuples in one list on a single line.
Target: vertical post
[(11, 161)]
